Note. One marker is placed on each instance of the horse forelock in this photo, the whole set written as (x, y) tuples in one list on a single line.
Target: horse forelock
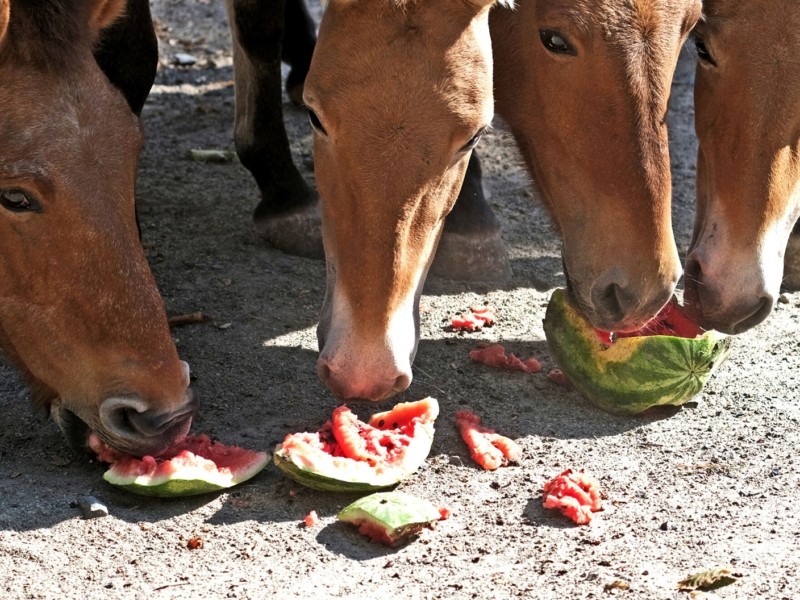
[(47, 32)]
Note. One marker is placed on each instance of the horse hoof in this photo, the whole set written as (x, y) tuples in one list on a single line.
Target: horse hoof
[(791, 267), (298, 232), (472, 257)]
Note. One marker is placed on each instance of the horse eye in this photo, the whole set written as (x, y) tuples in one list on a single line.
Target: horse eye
[(702, 50), (555, 42), (473, 141), (316, 124), (18, 201)]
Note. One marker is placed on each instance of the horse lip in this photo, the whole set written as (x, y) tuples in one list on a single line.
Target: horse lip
[(75, 430)]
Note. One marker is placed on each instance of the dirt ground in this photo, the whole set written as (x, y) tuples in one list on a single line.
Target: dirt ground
[(714, 484)]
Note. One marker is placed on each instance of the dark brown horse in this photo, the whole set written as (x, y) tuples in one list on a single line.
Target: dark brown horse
[(399, 94), (80, 314), (747, 116)]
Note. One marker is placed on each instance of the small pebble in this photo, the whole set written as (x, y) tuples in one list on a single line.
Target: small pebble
[(183, 59), (455, 461), (92, 508)]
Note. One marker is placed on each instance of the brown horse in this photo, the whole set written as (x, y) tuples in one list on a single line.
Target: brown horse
[(400, 92), (80, 314), (747, 118), (586, 98)]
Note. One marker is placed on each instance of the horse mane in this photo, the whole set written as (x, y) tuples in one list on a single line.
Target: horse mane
[(47, 33)]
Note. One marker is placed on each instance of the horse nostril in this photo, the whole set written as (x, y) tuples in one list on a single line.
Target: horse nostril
[(760, 313), (401, 383), (693, 274), (613, 302), (132, 417)]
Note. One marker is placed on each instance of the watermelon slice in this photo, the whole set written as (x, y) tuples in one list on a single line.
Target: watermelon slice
[(197, 465), (391, 517), (348, 455), (667, 362)]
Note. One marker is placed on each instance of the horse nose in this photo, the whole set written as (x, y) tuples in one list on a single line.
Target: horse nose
[(612, 299), (368, 385), (135, 427), (707, 305)]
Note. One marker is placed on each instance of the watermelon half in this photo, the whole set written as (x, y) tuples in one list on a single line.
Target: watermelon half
[(348, 455), (198, 465), (667, 362)]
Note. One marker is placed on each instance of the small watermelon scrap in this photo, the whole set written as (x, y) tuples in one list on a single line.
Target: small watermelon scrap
[(348, 455), (478, 318), (488, 448), (391, 518), (311, 519), (495, 356), (197, 465), (576, 495)]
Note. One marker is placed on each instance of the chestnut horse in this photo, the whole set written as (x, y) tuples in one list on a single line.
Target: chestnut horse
[(80, 314), (747, 117), (399, 93)]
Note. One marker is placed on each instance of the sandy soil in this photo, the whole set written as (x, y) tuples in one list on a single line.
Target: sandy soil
[(711, 485)]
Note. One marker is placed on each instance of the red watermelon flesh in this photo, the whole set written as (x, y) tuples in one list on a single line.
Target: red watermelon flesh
[(672, 320), (576, 495), (488, 448)]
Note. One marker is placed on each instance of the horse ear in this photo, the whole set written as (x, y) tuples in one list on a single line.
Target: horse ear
[(5, 15), (104, 12)]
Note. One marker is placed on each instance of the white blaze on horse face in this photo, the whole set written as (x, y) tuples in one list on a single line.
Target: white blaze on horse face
[(354, 365), (389, 159)]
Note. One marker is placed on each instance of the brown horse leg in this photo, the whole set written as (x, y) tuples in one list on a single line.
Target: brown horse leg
[(471, 247), (299, 40), (791, 268), (128, 53), (288, 214)]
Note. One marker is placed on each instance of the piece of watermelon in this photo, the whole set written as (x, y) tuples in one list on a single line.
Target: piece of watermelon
[(391, 517), (495, 356), (488, 448), (348, 455), (576, 495), (666, 362), (196, 465)]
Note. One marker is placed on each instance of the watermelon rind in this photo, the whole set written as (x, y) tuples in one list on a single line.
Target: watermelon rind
[(200, 477), (634, 374), (398, 514), (318, 470)]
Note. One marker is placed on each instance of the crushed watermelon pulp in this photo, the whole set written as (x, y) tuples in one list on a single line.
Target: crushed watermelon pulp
[(672, 320)]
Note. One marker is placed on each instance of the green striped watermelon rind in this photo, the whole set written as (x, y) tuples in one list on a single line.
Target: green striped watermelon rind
[(634, 374), (398, 516)]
